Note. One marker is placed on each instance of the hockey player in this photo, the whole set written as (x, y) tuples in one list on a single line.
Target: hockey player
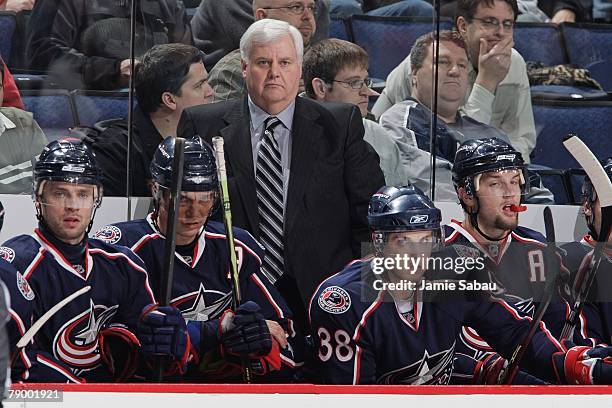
[(596, 319), (201, 285), (376, 327), (491, 180), (92, 338)]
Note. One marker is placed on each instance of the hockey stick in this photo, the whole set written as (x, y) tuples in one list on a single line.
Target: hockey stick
[(512, 368), (227, 220), (165, 280), (603, 188), (31, 332)]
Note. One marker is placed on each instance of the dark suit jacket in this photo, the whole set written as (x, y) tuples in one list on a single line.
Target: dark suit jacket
[(333, 175)]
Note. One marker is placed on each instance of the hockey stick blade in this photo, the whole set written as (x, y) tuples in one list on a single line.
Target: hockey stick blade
[(31, 332), (513, 364), (603, 187)]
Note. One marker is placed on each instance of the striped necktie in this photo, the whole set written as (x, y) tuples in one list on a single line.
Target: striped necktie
[(269, 175)]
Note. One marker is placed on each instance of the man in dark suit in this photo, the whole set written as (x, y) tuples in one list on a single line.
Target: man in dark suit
[(300, 173)]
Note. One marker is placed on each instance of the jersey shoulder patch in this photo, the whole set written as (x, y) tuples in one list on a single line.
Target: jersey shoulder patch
[(334, 300), (6, 253), (109, 234)]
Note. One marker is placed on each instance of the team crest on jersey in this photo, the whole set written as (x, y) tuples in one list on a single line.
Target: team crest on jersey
[(76, 342), (431, 369), (334, 300), (465, 251), (24, 287), (203, 305), (7, 254), (109, 234)]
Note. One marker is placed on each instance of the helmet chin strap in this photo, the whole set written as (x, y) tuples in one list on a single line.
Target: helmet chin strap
[(474, 221)]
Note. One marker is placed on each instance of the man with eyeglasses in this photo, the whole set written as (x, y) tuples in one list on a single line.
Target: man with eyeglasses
[(337, 71), (226, 77), (219, 39), (498, 92)]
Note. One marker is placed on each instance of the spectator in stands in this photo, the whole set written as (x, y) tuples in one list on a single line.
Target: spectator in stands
[(226, 77), (20, 140), (556, 11), (218, 25), (409, 121), (335, 70), (85, 44), (170, 78), (498, 92), (413, 8)]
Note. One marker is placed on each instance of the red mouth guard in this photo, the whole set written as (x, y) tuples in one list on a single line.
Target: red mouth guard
[(518, 208)]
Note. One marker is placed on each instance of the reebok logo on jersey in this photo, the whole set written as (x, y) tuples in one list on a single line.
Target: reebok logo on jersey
[(7, 254), (334, 300), (109, 234), (24, 287), (419, 219)]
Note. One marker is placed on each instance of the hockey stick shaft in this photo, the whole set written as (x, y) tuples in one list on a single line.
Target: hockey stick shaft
[(513, 364), (31, 332), (603, 187), (227, 220), (166, 277)]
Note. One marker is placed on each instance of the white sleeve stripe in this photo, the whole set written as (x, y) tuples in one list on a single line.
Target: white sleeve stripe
[(13, 167), (59, 369), (267, 294)]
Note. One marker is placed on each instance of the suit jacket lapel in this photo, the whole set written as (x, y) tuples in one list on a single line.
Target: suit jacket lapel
[(305, 134), (238, 153)]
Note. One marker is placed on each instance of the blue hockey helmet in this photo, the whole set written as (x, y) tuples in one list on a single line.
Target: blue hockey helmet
[(589, 196), (199, 168), (68, 160), (477, 156), (404, 208)]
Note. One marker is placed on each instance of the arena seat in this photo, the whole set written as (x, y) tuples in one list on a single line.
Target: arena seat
[(541, 42), (340, 28), (590, 120), (95, 106), (8, 25), (587, 43), (52, 109), (388, 40)]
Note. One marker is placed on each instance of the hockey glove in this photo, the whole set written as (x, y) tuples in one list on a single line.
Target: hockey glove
[(244, 333), (119, 351), (488, 371), (162, 331), (584, 365)]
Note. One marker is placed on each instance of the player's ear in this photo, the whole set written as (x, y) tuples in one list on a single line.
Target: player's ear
[(466, 198)]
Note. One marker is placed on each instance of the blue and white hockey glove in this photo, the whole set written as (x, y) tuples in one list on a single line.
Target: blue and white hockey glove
[(244, 333), (584, 365), (162, 331)]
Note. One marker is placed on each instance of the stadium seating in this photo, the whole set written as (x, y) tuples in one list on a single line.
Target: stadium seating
[(52, 109), (388, 40), (587, 43), (8, 25), (340, 28), (94, 106), (590, 120), (540, 42)]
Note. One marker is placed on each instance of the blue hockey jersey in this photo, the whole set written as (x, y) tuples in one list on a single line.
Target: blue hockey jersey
[(364, 336), (595, 321), (66, 349), (202, 288), (517, 265)]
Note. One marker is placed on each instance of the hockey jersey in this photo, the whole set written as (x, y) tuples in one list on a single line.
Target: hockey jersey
[(364, 336), (517, 265), (66, 349), (595, 321), (202, 288)]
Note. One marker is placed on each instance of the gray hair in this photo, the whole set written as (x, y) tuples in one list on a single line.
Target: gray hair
[(266, 31)]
